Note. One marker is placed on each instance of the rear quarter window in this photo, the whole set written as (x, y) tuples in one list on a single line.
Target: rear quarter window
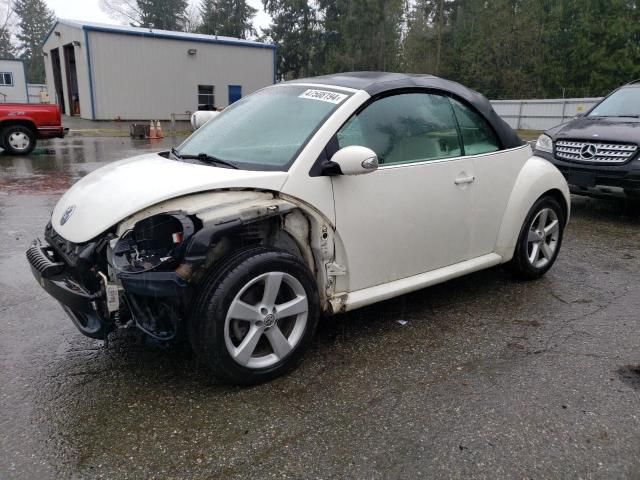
[(477, 135)]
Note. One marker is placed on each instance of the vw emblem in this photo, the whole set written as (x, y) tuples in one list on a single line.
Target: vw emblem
[(588, 151), (67, 214), (269, 320)]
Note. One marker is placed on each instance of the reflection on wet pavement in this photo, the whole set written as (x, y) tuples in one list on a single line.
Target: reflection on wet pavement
[(56, 164)]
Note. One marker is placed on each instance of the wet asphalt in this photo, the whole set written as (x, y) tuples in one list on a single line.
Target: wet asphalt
[(489, 377)]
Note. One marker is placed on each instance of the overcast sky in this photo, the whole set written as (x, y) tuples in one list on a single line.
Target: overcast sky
[(90, 11)]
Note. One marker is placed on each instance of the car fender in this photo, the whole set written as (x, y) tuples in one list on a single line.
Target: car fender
[(227, 212), (537, 177)]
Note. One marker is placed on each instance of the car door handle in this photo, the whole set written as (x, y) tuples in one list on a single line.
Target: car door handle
[(462, 180)]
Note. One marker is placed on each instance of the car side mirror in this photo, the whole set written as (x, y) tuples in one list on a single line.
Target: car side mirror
[(355, 160)]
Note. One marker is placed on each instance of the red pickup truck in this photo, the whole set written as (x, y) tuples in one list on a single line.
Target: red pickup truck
[(22, 124)]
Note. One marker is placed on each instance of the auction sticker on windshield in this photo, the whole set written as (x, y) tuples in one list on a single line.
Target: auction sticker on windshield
[(324, 96)]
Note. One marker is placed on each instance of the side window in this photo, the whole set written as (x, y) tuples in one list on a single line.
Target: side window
[(405, 128), (478, 137)]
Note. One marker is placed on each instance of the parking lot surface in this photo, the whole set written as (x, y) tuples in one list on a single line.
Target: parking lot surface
[(485, 377)]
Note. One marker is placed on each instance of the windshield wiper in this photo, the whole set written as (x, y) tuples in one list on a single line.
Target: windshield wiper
[(615, 116), (204, 158)]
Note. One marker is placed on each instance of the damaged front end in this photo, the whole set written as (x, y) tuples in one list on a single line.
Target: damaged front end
[(145, 270), (113, 281), (145, 263)]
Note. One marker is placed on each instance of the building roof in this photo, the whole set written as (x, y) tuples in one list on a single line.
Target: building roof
[(155, 33), (380, 83)]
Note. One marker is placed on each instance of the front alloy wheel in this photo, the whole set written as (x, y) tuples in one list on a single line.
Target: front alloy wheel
[(266, 320), (254, 315)]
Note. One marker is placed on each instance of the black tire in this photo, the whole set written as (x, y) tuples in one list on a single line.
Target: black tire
[(26, 133), (219, 290), (214, 275), (521, 265)]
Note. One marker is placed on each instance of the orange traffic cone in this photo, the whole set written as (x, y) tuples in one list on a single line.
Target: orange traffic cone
[(152, 130), (159, 132)]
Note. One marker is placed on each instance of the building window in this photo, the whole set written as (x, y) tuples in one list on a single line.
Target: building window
[(206, 97), (6, 79)]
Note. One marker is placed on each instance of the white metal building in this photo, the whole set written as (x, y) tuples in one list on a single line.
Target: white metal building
[(109, 72), (13, 81)]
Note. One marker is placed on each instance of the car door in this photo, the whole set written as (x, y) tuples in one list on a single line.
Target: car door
[(411, 215), (495, 170)]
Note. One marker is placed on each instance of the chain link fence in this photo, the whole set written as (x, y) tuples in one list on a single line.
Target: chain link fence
[(541, 114)]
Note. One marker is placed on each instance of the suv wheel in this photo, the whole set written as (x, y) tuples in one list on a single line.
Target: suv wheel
[(540, 239), (255, 316), (18, 140)]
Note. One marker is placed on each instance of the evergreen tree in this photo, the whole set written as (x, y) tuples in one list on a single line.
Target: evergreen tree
[(162, 14), (427, 27), (362, 34), (294, 30), (7, 49), (34, 22), (231, 18)]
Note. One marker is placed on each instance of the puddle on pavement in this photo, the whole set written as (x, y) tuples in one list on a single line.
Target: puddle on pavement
[(56, 164), (630, 375)]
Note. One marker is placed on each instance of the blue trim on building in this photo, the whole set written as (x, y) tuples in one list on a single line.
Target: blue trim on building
[(164, 36), (26, 85), (46, 37), (159, 34), (275, 64), (88, 52)]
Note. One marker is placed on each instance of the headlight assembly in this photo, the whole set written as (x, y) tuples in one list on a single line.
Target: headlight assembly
[(544, 143)]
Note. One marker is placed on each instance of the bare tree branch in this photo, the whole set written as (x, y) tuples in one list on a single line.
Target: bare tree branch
[(122, 10), (7, 9)]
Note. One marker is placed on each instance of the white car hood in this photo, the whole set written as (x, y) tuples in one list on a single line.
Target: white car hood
[(114, 192)]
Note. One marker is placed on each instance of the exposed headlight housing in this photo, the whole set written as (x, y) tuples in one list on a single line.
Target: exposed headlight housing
[(544, 143), (155, 242)]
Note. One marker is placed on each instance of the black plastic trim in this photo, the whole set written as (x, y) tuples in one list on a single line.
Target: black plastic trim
[(66, 291), (153, 284)]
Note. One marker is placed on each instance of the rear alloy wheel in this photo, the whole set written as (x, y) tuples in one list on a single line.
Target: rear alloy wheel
[(540, 239), (18, 140), (253, 320)]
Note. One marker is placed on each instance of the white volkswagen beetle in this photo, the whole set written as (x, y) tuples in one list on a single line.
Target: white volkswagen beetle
[(311, 197)]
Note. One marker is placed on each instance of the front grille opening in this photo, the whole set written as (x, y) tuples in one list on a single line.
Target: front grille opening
[(606, 153)]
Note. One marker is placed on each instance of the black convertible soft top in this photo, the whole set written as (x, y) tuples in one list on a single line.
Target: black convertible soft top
[(377, 83)]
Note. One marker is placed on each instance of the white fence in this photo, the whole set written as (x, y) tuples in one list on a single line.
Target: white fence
[(541, 114)]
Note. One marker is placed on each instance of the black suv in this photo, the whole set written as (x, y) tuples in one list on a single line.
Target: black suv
[(598, 152)]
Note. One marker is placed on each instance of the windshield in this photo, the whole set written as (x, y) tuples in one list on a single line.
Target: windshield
[(623, 103), (265, 131)]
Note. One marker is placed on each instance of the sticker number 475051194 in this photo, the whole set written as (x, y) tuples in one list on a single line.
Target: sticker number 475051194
[(323, 96)]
